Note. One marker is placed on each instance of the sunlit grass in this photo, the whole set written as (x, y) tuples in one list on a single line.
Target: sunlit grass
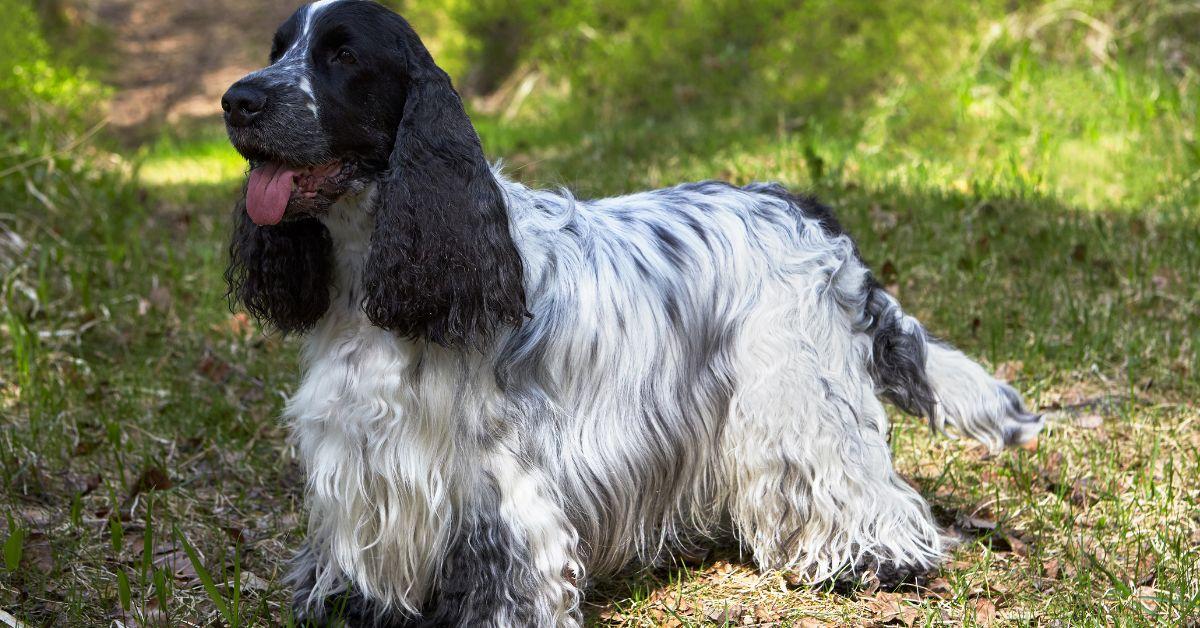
[(208, 160)]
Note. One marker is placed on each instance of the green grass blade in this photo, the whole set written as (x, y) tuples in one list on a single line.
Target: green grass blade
[(210, 587), (14, 546), (123, 591)]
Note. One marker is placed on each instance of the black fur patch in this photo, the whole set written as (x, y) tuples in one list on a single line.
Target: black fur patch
[(898, 357), (487, 571), (442, 265), (348, 608), (808, 206), (280, 273), (888, 577)]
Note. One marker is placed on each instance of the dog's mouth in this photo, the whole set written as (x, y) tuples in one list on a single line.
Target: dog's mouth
[(274, 187)]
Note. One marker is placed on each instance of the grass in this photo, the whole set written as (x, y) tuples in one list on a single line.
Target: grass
[(1044, 216)]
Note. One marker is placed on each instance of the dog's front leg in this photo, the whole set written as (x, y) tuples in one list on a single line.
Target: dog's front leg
[(513, 561)]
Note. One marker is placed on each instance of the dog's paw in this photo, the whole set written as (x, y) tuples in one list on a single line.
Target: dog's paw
[(874, 576)]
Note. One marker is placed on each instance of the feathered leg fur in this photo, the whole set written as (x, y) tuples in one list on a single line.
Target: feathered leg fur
[(813, 487)]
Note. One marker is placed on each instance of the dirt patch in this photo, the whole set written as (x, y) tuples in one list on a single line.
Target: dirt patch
[(175, 59)]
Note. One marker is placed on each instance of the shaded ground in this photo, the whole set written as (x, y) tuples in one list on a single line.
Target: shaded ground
[(175, 59)]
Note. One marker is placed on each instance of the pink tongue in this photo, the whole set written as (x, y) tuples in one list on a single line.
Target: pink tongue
[(268, 193)]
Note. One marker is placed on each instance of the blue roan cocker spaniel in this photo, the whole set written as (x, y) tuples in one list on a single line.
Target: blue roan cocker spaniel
[(507, 391)]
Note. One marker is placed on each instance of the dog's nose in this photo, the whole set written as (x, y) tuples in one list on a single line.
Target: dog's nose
[(242, 104)]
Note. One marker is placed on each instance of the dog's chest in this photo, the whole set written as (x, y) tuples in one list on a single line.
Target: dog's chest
[(370, 422)]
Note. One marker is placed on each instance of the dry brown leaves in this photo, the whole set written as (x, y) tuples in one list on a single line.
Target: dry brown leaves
[(984, 612), (892, 608), (1009, 371)]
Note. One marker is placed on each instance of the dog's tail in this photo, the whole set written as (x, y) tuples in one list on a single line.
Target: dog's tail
[(926, 377)]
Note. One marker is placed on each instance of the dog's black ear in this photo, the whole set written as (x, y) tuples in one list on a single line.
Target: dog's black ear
[(280, 273), (442, 263)]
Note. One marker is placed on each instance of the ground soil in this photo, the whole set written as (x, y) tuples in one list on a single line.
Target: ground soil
[(174, 59)]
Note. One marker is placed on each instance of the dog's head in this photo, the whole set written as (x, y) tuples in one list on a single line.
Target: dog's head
[(352, 99)]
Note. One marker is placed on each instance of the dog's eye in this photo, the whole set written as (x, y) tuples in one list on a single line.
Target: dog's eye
[(345, 56)]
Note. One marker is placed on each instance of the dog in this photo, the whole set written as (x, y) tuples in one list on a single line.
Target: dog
[(507, 391)]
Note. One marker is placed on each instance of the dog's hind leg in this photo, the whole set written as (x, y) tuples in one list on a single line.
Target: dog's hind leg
[(811, 481), (930, 378)]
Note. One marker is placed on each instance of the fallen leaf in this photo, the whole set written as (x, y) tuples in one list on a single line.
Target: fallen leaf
[(175, 561), (214, 368), (793, 579), (38, 554), (611, 615), (975, 522), (239, 325), (681, 606), (765, 615), (724, 614), (1089, 421), (941, 588), (886, 607), (1054, 462), (1018, 547), (888, 273), (1078, 490), (1148, 596), (35, 517), (1050, 569), (251, 582), (985, 613), (1081, 493), (152, 478), (237, 533), (1009, 371)]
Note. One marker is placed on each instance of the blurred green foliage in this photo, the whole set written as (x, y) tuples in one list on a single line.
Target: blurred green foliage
[(32, 81), (1095, 101), (69, 203), (50, 112)]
